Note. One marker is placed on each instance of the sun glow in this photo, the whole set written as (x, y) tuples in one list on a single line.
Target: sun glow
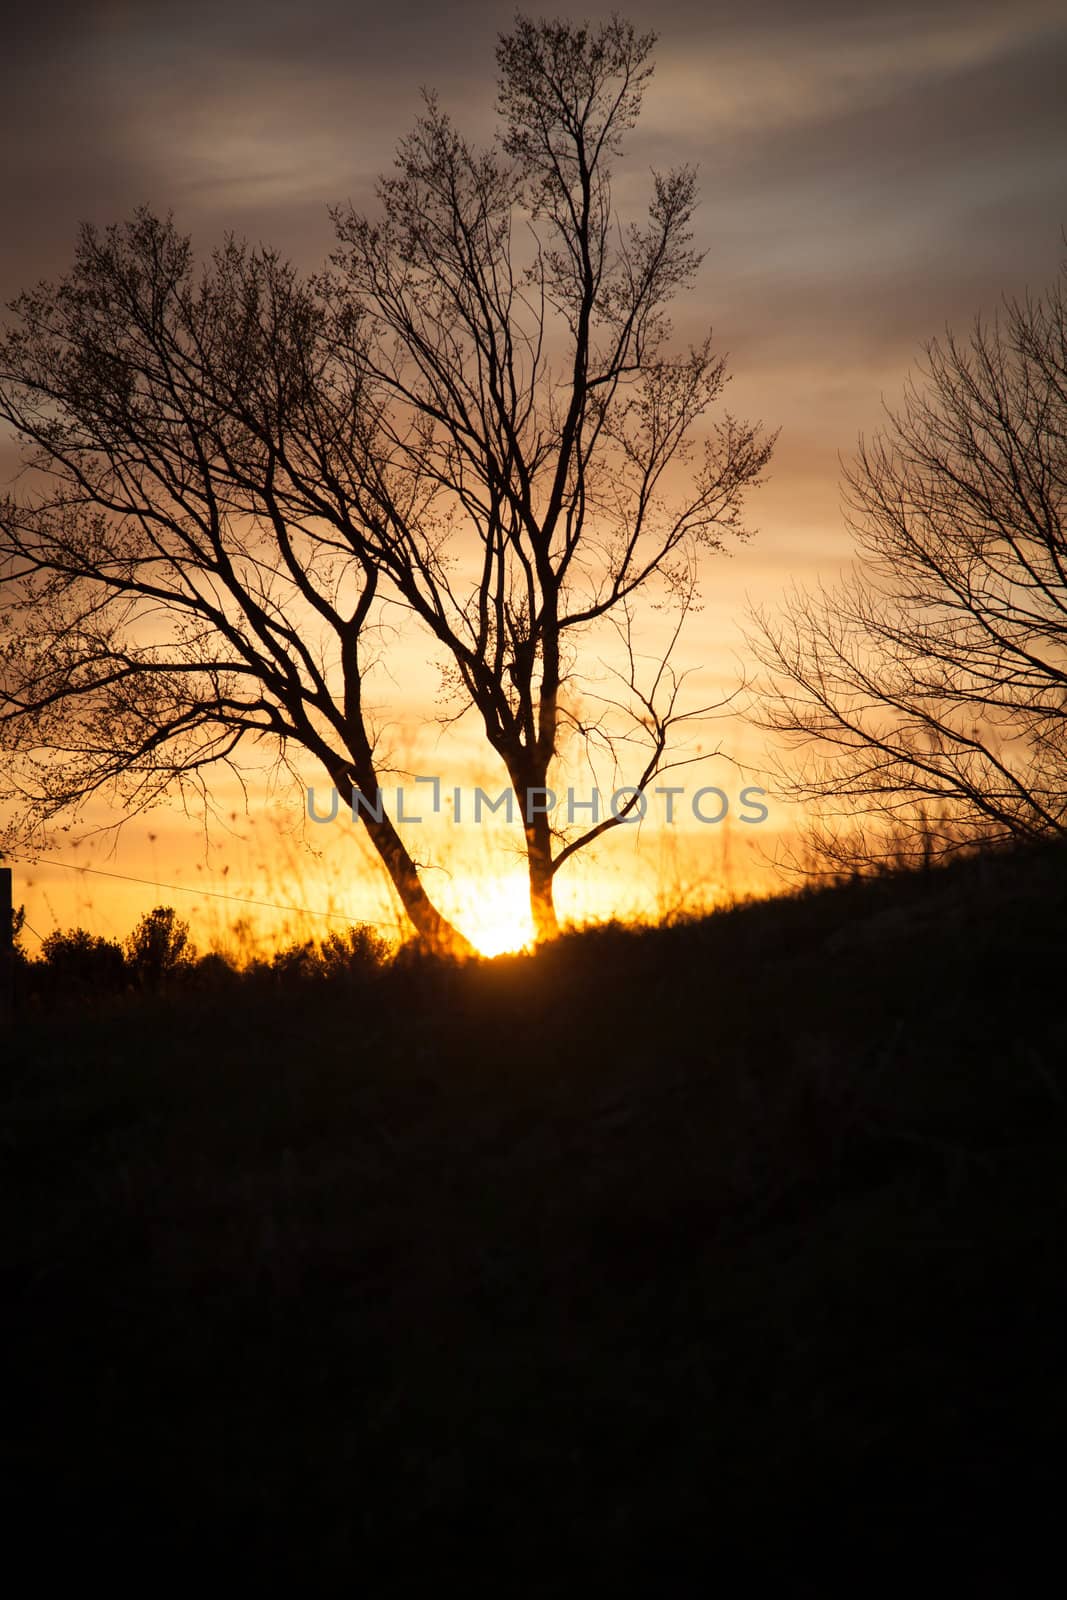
[(495, 914)]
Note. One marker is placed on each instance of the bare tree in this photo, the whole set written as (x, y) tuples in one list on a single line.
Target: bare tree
[(473, 416), (928, 692), (508, 471), (160, 607)]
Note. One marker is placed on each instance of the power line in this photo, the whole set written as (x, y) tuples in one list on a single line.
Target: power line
[(181, 888)]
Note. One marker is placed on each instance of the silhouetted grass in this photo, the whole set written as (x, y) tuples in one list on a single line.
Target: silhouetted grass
[(739, 1240)]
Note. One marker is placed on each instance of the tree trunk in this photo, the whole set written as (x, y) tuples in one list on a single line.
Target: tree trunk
[(542, 877), (528, 781), (433, 930)]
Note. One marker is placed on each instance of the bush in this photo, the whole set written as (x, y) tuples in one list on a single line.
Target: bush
[(354, 953), (159, 948), (79, 960), (213, 971), (348, 956)]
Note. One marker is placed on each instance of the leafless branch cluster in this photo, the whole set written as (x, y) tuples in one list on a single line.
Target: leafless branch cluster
[(926, 694)]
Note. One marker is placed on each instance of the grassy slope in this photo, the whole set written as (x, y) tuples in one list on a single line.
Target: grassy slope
[(737, 1238)]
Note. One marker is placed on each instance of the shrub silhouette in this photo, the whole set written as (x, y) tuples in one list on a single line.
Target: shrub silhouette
[(357, 951), (296, 961), (347, 956), (213, 970), (80, 960), (159, 948)]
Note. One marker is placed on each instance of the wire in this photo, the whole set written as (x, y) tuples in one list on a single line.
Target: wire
[(181, 888)]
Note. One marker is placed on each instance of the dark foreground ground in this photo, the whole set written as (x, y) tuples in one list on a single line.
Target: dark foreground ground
[(655, 1264)]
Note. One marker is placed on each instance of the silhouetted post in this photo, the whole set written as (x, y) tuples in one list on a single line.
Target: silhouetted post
[(7, 955)]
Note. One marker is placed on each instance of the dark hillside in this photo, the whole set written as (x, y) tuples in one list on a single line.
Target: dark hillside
[(737, 1240)]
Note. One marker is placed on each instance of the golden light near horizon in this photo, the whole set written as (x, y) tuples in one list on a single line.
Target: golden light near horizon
[(262, 882), (495, 914)]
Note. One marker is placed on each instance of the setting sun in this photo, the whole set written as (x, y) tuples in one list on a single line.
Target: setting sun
[(496, 915)]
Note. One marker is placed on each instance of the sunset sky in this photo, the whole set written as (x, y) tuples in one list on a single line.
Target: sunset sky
[(865, 180)]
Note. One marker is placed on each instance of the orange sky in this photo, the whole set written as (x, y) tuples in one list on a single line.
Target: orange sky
[(864, 182)]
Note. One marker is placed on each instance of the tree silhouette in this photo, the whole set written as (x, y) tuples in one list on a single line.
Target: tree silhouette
[(473, 416), (522, 411), (161, 609), (929, 689)]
